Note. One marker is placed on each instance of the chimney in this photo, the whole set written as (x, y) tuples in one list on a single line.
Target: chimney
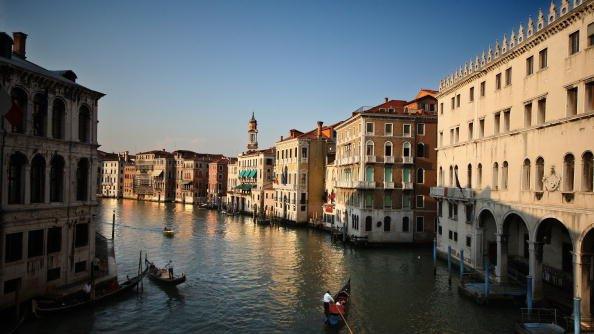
[(5, 45), (386, 99), (20, 44), (281, 138), (320, 123)]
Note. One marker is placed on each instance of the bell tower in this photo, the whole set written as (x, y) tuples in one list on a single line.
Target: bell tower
[(252, 134)]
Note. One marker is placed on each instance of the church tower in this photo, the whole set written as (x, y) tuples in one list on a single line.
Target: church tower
[(252, 134)]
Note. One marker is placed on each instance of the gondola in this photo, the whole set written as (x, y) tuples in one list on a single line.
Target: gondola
[(168, 232), (161, 275), (338, 310), (44, 307)]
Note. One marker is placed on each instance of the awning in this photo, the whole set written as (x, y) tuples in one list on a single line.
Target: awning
[(240, 174), (245, 186), (254, 174), (157, 173)]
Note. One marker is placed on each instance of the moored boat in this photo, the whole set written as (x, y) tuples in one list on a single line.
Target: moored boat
[(338, 310), (162, 275), (168, 232), (42, 307)]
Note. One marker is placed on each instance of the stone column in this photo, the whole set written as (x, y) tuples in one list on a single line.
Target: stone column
[(27, 169), (478, 249), (28, 121), (535, 268), (501, 270), (581, 282), (46, 189), (48, 119)]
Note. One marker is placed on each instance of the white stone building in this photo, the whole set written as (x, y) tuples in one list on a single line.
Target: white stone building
[(112, 174)]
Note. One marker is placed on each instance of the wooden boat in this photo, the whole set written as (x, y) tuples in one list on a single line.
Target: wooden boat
[(538, 320), (161, 275), (168, 232), (338, 310), (43, 307)]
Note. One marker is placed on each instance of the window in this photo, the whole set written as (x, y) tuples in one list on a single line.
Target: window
[(84, 125), (458, 101), (420, 201), (455, 236), (568, 172), (440, 138), (35, 243), (526, 174), (498, 81), (506, 120), (387, 223), (39, 115), (304, 153), (495, 182), (542, 59), (13, 249), (542, 111), (483, 88), (388, 174), (453, 102), (440, 230), (572, 103), (406, 149), (588, 171), (508, 76), (368, 200), (16, 178), (81, 235), (80, 266), (441, 108), (496, 123), (37, 179), (420, 150), (470, 131), (421, 129), (504, 170), (406, 131), (530, 65), (368, 223), (12, 285), (591, 34), (468, 241), (19, 100), (482, 128), (528, 115), (452, 137), (369, 150), (388, 129), (388, 200), (450, 234), (420, 226), (469, 176), (479, 175), (369, 174), (420, 175), (590, 97), (405, 224), (369, 128), (54, 239), (53, 274), (471, 94), (574, 43), (457, 136), (388, 149), (539, 174)]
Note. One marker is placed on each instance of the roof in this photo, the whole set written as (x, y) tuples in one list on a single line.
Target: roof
[(327, 132)]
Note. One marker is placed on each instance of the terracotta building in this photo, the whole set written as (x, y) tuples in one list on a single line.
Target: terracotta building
[(191, 176), (155, 176), (217, 179)]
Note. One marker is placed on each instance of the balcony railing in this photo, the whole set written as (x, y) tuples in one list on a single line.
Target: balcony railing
[(345, 184), (389, 185), (366, 185), (407, 160), (407, 185), (388, 160), (370, 158), (452, 193)]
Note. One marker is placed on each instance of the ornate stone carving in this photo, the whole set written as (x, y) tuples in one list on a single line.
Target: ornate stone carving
[(552, 181), (540, 21), (552, 12), (521, 34), (530, 27), (564, 7)]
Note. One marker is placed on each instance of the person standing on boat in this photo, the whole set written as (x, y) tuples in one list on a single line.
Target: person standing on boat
[(170, 272), (327, 300)]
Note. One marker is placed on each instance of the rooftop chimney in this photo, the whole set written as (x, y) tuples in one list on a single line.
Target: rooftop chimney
[(320, 123), (5, 45), (20, 44), (281, 138), (386, 99)]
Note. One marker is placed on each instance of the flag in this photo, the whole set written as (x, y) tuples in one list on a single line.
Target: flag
[(15, 114)]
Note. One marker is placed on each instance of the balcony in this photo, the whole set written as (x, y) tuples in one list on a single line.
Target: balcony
[(407, 160), (370, 158), (345, 184), (388, 160), (464, 194), (407, 185), (388, 185), (366, 185)]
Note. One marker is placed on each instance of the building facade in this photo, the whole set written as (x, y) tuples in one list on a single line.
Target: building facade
[(217, 180), (112, 174), (385, 165), (515, 157), (155, 176), (48, 178), (129, 174), (299, 171), (191, 181)]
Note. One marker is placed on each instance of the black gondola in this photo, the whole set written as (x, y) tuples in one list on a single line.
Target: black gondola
[(338, 310), (42, 307), (161, 275)]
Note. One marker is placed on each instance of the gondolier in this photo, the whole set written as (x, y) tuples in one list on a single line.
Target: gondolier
[(327, 300)]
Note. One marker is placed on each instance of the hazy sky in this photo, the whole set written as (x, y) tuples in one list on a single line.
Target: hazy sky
[(188, 74)]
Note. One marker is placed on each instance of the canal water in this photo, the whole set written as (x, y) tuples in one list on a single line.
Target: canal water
[(245, 278)]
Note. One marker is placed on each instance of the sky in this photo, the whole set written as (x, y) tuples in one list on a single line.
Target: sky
[(188, 74)]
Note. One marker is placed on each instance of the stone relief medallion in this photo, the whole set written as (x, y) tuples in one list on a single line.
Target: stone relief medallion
[(552, 181)]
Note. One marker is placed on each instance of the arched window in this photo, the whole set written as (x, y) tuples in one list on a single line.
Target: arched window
[(17, 115), (84, 125), (420, 175), (369, 150), (420, 150), (39, 115), (368, 223), (526, 175), (369, 174), (57, 179), (568, 172), (387, 223), (58, 119), (405, 224), (479, 175), (588, 171), (451, 183), (388, 149), (16, 178), (406, 149), (37, 179), (504, 175), (82, 180), (456, 176), (469, 176), (440, 181), (495, 176), (539, 175)]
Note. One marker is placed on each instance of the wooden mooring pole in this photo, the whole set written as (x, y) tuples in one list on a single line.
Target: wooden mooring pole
[(450, 265), (113, 225)]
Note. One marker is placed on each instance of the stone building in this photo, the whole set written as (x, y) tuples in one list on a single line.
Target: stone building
[(299, 171), (47, 181), (155, 176), (191, 176), (112, 174), (217, 180), (129, 174), (385, 165), (515, 157)]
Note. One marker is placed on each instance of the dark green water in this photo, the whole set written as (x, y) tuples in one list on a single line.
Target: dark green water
[(244, 278)]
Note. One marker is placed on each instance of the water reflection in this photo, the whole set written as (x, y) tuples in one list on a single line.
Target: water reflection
[(252, 279)]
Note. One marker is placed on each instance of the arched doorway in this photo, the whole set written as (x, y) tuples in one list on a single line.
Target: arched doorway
[(587, 263), (553, 281), (487, 234), (515, 257)]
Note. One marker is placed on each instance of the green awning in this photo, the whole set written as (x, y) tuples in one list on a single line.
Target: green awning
[(254, 174), (242, 173)]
